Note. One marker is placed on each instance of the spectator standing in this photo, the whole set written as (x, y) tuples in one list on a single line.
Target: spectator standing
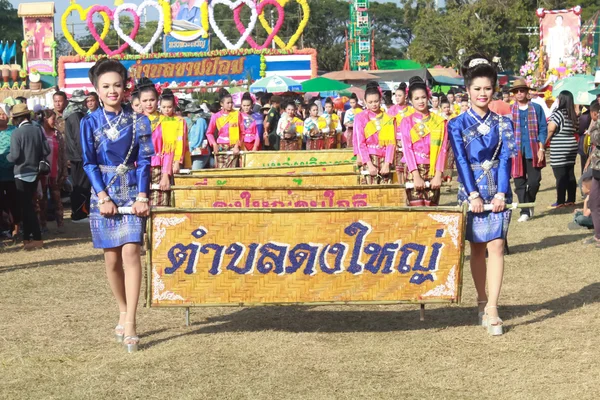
[(8, 189), (271, 139), (562, 130), (531, 131), (28, 147), (81, 193), (60, 104), (594, 196), (53, 182)]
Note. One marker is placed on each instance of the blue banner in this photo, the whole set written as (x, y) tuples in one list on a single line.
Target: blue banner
[(209, 70), (172, 45)]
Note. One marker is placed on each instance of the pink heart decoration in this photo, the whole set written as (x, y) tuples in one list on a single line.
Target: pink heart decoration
[(110, 13), (259, 9)]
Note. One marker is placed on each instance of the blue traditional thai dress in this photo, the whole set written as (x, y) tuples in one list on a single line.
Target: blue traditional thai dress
[(118, 163), (483, 148)]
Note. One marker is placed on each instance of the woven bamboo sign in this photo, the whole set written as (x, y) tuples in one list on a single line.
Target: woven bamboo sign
[(297, 158), (322, 169), (253, 257), (301, 197), (269, 180)]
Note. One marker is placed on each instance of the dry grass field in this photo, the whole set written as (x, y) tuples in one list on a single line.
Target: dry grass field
[(57, 315)]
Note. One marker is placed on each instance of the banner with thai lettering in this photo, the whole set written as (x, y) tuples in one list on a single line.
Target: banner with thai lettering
[(210, 70), (297, 158), (301, 197), (172, 45), (270, 180), (228, 257)]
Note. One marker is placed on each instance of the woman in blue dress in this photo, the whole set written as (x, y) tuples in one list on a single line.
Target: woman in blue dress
[(117, 146), (483, 143)]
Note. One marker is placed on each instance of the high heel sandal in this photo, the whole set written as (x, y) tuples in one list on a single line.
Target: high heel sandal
[(495, 325), (480, 320), (135, 341), (120, 331)]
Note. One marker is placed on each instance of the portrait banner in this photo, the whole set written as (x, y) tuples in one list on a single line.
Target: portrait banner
[(305, 256), (560, 37), (39, 35)]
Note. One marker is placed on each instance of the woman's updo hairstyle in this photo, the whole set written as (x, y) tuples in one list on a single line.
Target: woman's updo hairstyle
[(167, 94), (223, 94), (416, 83), (104, 66), (145, 85), (353, 96), (373, 89), (329, 101), (289, 103), (402, 87), (479, 66), (247, 96)]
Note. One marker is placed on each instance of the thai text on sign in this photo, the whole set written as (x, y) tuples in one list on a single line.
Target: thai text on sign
[(291, 256)]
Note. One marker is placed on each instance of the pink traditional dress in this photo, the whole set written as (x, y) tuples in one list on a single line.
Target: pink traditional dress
[(169, 137), (425, 144), (253, 129), (400, 112), (228, 127), (374, 136)]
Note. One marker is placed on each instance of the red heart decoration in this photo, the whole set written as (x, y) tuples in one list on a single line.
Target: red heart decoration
[(110, 13), (259, 9)]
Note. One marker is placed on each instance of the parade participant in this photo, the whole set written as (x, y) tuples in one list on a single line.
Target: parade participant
[(289, 128), (136, 104), (446, 109), (226, 123), (374, 137), (506, 96), (349, 117), (117, 147), (161, 166), (464, 105), (425, 144), (435, 104), (451, 96), (253, 126), (332, 138), (401, 109), (531, 132), (562, 128), (170, 144), (315, 128), (53, 182), (483, 143), (270, 137)]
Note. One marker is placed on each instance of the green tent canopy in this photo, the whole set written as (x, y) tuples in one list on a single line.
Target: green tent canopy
[(321, 84), (398, 64)]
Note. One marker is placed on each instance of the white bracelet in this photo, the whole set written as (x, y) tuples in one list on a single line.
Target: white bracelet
[(474, 195), (104, 200), (499, 196), (142, 199)]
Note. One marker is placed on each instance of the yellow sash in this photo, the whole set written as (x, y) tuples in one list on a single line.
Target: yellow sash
[(172, 135), (434, 126), (384, 125), (405, 112), (322, 123), (234, 128)]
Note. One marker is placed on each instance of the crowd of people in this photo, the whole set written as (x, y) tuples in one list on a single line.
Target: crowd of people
[(113, 149)]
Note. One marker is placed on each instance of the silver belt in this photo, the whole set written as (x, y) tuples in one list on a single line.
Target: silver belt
[(485, 166), (120, 169)]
